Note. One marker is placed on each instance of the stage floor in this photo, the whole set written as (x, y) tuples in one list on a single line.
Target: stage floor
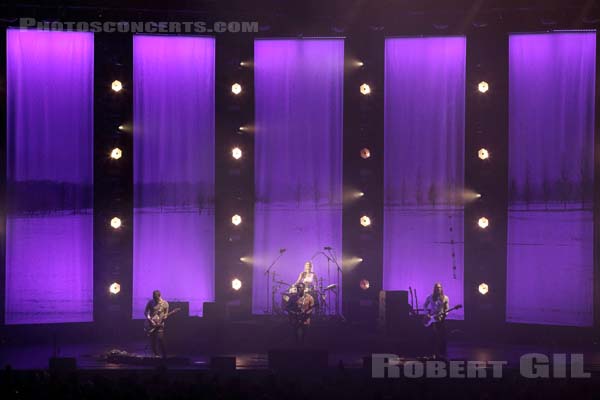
[(92, 356)]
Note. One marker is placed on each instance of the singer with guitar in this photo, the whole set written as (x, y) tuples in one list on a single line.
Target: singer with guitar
[(156, 312), (437, 306), (299, 309)]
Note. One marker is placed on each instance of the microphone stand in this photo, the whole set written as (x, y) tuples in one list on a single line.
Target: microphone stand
[(267, 274), (339, 288), (328, 274)]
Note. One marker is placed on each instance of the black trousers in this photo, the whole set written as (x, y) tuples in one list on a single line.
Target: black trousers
[(439, 339), (300, 331), (157, 340)]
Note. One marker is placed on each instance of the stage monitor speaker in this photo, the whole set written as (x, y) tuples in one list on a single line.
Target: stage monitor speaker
[(298, 360), (393, 310), (62, 364)]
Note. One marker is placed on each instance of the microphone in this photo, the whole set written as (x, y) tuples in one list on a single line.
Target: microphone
[(282, 251), (327, 248)]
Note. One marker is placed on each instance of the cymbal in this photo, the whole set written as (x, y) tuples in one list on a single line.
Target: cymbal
[(330, 287), (282, 283)]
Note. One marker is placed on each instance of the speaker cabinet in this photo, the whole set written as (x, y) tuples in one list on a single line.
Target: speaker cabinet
[(393, 310)]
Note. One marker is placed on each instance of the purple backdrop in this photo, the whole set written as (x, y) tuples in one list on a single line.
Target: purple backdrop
[(49, 227), (174, 116), (424, 172), (550, 228), (298, 156)]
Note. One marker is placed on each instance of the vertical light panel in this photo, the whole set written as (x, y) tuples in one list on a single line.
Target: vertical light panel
[(298, 150), (174, 119), (424, 165), (551, 142), (49, 225)]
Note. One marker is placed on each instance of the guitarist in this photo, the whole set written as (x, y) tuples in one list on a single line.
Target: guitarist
[(437, 305), (156, 311), (300, 307)]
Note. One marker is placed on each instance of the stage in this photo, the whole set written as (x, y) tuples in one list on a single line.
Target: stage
[(192, 342)]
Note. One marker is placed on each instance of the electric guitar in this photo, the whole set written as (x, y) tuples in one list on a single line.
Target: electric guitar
[(157, 322), (430, 319)]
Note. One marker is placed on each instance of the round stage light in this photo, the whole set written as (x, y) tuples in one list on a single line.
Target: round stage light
[(115, 222), (236, 284), (483, 154), (116, 153), (114, 288), (121, 127), (116, 86), (483, 288), (236, 153), (365, 153), (483, 222), (483, 87), (365, 89), (236, 88), (364, 284), (365, 221), (360, 64), (236, 220)]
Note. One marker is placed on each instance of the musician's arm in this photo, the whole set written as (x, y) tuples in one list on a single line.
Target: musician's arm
[(147, 312), (299, 279), (427, 303)]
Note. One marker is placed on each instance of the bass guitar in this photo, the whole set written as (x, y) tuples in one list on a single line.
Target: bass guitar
[(298, 317)]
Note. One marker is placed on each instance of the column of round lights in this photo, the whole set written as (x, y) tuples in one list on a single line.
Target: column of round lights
[(236, 153), (365, 153), (483, 154), (116, 154)]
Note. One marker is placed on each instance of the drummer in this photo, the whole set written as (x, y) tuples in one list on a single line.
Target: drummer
[(308, 277)]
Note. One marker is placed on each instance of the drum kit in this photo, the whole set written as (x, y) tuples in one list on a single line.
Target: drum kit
[(283, 292), (327, 299)]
